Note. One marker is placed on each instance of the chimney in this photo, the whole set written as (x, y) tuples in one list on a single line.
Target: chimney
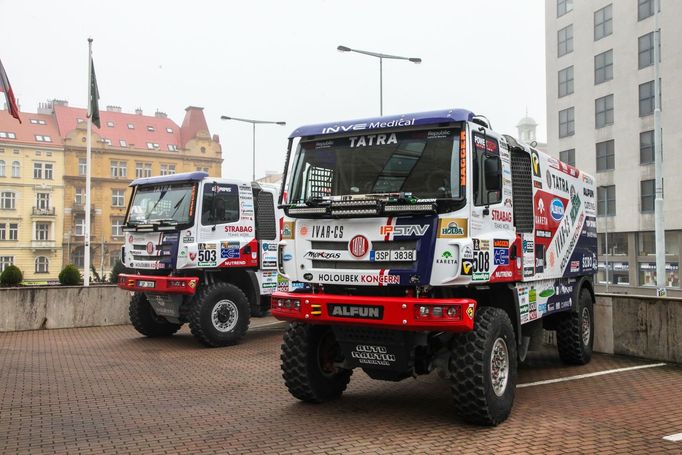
[(159, 114), (60, 103), (138, 111), (113, 108), (216, 138)]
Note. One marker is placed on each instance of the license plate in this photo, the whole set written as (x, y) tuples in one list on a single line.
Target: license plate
[(392, 255), (145, 284)]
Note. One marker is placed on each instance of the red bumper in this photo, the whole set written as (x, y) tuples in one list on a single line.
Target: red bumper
[(158, 284), (404, 313)]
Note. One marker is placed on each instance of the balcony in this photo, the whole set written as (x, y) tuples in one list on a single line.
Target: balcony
[(38, 211), (79, 207), (43, 244)]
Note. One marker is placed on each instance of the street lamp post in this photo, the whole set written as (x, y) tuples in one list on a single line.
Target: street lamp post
[(253, 125), (381, 58)]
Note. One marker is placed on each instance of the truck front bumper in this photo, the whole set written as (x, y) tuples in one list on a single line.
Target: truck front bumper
[(158, 284), (403, 313)]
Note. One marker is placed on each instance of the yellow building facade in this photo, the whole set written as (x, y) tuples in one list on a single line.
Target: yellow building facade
[(31, 196)]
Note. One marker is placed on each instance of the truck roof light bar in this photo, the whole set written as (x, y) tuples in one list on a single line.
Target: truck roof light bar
[(369, 211), (409, 207), (307, 210)]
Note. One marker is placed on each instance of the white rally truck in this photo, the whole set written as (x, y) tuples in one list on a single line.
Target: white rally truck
[(201, 250), (430, 242)]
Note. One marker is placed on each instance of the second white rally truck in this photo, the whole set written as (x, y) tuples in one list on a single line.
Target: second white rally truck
[(202, 251), (430, 242)]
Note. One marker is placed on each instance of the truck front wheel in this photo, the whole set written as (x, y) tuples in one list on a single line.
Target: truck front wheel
[(575, 332), (146, 321), (483, 368), (219, 315), (310, 355)]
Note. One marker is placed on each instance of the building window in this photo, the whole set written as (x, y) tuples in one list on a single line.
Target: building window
[(143, 170), (78, 257), (123, 143), (118, 198), (119, 169), (646, 98), (79, 198), (42, 264), (603, 67), (7, 135), (41, 138), (152, 145), (110, 124), (567, 122), (617, 244), (131, 126), (568, 156), (169, 130), (565, 40), (172, 148), (647, 274), (117, 227), (5, 261), (82, 166), (37, 170), (48, 171), (566, 81), (606, 156), (106, 141), (606, 200), (603, 22), (16, 169), (647, 195), (645, 48), (79, 224), (563, 7), (167, 169), (42, 231), (645, 8), (150, 128), (603, 111), (646, 244), (35, 121), (646, 147), (7, 200), (43, 201), (9, 231), (2, 168)]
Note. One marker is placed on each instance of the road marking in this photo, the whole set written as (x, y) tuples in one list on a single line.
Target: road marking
[(674, 437), (268, 324), (589, 375)]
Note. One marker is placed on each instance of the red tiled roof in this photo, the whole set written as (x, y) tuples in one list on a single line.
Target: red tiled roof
[(26, 131), (137, 137)]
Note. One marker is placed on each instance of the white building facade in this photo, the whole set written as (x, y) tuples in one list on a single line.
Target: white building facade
[(600, 102)]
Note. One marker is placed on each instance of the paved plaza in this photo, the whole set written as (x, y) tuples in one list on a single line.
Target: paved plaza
[(109, 390)]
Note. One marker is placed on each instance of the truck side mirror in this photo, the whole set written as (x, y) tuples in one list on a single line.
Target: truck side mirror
[(492, 168)]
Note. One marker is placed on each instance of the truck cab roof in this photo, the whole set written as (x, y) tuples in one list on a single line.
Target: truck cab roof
[(184, 177), (388, 121)]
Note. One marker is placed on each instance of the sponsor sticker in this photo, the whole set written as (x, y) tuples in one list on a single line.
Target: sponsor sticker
[(288, 230), (407, 230), (501, 256), (557, 209), (452, 228)]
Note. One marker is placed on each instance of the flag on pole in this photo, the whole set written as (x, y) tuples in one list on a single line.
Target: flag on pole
[(94, 96), (9, 95)]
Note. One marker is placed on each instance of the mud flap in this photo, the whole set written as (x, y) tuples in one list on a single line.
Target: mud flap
[(376, 348)]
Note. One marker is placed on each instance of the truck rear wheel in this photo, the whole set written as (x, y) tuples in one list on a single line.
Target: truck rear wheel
[(575, 332), (146, 321), (219, 315), (309, 353), (483, 368)]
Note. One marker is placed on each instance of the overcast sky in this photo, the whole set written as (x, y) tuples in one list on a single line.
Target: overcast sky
[(277, 60)]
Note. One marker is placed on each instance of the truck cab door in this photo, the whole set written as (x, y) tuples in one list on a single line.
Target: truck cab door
[(491, 223), (226, 227)]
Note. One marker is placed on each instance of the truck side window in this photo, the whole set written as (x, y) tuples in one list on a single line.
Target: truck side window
[(487, 177), (220, 204)]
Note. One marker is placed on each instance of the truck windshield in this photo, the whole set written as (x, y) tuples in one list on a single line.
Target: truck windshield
[(423, 163), (172, 204)]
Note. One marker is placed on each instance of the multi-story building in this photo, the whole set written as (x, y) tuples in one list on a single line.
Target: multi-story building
[(31, 195), (127, 146), (600, 103)]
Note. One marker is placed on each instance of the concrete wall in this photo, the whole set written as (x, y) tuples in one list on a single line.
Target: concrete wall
[(58, 307)]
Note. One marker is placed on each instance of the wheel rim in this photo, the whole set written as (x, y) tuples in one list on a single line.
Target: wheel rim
[(499, 366), (585, 326), (326, 353), (224, 315)]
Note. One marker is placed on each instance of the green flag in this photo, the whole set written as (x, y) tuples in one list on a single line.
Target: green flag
[(94, 96)]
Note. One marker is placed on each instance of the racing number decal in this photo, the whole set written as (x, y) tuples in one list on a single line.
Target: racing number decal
[(207, 255), (479, 263)]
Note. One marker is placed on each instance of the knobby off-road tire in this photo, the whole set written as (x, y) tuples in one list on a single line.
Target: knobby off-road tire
[(219, 315), (575, 332), (146, 321), (483, 368), (308, 354)]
